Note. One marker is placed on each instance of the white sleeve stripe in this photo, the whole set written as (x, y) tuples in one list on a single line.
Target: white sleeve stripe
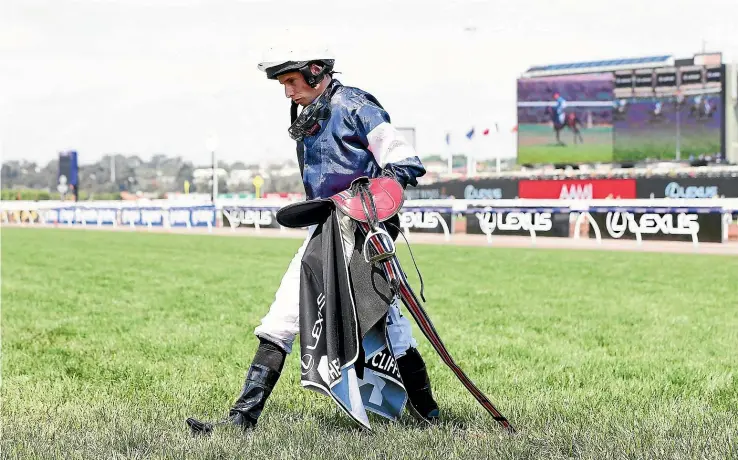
[(388, 145)]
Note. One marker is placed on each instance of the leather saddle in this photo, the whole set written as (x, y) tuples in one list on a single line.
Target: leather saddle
[(368, 201)]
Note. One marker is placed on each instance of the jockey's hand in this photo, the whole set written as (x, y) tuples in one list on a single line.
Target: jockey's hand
[(388, 171)]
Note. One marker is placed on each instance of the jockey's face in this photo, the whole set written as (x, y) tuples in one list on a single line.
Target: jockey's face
[(297, 89), (556, 95)]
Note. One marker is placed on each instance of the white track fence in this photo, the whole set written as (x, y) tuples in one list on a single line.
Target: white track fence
[(694, 220)]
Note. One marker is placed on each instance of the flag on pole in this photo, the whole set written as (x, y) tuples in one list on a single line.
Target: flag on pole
[(470, 134), (449, 154), (486, 131)]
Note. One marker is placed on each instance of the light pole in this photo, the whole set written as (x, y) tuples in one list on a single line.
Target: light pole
[(497, 157), (212, 145), (471, 159), (678, 126)]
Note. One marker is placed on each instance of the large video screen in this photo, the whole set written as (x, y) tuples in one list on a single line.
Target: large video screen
[(639, 115), (655, 128), (566, 119)]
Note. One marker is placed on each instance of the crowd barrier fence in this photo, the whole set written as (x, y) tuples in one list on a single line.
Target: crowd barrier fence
[(695, 220)]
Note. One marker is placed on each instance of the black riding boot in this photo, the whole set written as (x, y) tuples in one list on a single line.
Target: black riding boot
[(260, 381), (261, 378), (417, 384)]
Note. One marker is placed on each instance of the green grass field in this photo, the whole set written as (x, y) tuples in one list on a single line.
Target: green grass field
[(646, 145), (537, 144), (111, 340)]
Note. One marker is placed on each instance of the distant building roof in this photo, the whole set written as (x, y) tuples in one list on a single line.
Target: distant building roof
[(596, 66)]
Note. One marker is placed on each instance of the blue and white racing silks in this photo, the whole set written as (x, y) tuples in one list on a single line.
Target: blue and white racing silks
[(560, 107), (358, 139)]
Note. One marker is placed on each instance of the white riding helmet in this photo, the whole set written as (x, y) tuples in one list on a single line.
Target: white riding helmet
[(277, 61)]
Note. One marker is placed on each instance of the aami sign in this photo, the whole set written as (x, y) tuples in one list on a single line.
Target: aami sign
[(577, 189)]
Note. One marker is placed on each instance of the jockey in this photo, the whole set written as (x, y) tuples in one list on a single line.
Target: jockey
[(707, 106), (560, 107), (342, 133), (697, 101)]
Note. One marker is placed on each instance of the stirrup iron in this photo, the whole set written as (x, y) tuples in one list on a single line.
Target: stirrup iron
[(378, 257)]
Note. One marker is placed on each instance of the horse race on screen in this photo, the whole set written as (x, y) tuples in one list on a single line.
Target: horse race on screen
[(566, 118), (658, 113)]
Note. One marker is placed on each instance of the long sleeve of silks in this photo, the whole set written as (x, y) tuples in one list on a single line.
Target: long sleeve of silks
[(389, 148)]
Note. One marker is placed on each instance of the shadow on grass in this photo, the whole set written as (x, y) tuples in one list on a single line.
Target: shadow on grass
[(337, 420)]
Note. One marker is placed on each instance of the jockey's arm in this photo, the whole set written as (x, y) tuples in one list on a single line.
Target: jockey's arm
[(392, 152)]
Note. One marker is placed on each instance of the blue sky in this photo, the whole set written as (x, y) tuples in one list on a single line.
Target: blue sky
[(145, 77)]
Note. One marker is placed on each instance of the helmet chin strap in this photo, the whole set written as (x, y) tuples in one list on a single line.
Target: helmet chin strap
[(293, 112), (307, 122), (295, 105), (300, 146), (293, 125)]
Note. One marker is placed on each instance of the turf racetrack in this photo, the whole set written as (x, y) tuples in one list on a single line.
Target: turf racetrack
[(537, 144), (111, 340)]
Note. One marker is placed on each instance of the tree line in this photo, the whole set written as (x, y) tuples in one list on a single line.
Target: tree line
[(112, 175)]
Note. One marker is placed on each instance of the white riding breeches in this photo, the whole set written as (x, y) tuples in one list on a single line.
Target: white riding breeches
[(282, 323)]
